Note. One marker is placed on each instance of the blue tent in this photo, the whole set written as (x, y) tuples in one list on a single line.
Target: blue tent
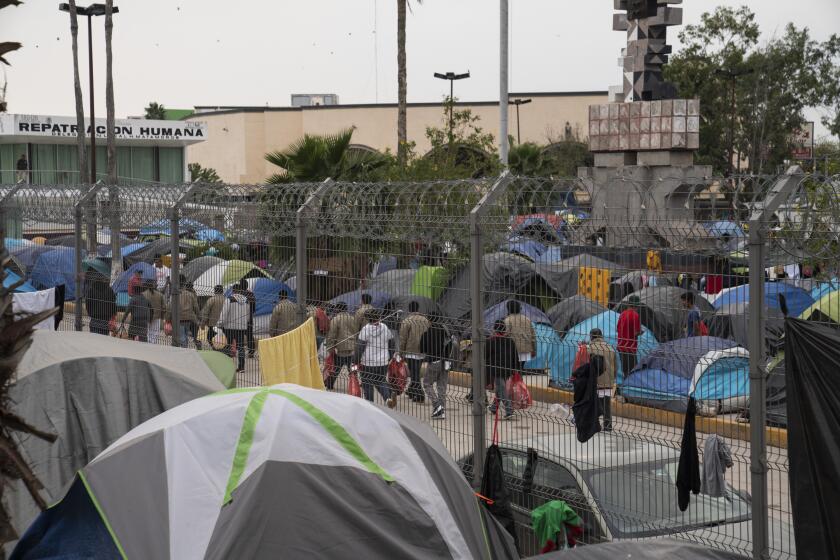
[(199, 230), (127, 250), (12, 243), (719, 229), (147, 270), (28, 256), (708, 368), (267, 293), (54, 268), (553, 254), (607, 322), (824, 288), (522, 246), (11, 278), (354, 299), (549, 351), (499, 312), (798, 299)]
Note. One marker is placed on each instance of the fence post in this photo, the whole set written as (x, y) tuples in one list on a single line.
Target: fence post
[(175, 270), (79, 241), (306, 211), (477, 319)]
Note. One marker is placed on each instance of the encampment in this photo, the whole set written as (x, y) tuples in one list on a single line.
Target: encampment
[(396, 283), (273, 472), (730, 321), (54, 268), (573, 311), (797, 299), (661, 310), (226, 274), (198, 266)]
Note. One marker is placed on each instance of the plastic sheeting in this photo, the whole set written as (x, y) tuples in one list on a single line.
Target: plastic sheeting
[(812, 352)]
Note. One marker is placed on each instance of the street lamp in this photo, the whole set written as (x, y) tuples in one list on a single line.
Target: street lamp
[(90, 11), (518, 102), (451, 76), (732, 75)]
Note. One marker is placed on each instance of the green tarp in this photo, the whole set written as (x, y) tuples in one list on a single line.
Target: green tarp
[(430, 282)]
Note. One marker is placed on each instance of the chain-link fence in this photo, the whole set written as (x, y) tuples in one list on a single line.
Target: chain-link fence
[(483, 287)]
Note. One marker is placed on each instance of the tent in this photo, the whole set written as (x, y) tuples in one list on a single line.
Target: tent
[(572, 311), (552, 254), (54, 268), (827, 308), (273, 472), (542, 228), (725, 229), (103, 238), (398, 307), (499, 312), (825, 288), (267, 293), (430, 282), (549, 351), (797, 299), (661, 310), (564, 276), (730, 321), (716, 372), (226, 273), (126, 250), (12, 243), (94, 263), (607, 322), (158, 247), (147, 273), (777, 391), (397, 282), (26, 257), (649, 549), (198, 266), (528, 248), (383, 265), (15, 266), (637, 280), (354, 299), (187, 227), (11, 278), (89, 390)]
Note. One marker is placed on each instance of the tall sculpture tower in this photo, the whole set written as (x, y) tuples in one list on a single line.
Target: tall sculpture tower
[(644, 139)]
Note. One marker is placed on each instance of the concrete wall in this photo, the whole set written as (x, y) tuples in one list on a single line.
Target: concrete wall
[(238, 139)]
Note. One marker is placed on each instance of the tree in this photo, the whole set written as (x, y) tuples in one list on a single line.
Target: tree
[(156, 111), (316, 158), (772, 85), (81, 148), (111, 141), (199, 174), (402, 86)]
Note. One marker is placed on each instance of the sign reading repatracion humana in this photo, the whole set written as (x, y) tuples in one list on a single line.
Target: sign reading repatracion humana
[(124, 129)]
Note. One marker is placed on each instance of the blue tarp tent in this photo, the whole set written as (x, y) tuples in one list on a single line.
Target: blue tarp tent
[(549, 351), (127, 250), (607, 322), (499, 312), (28, 256), (824, 288), (731, 229), (714, 370), (185, 226), (267, 293), (54, 268), (798, 299), (354, 299), (11, 278), (526, 247), (148, 271)]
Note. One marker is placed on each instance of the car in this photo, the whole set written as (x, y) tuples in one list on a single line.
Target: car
[(623, 487)]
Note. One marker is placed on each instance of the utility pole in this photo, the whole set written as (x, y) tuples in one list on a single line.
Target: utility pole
[(518, 102), (503, 82)]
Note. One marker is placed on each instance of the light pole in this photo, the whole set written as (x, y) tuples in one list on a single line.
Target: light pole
[(518, 102), (732, 75), (90, 11), (451, 76)]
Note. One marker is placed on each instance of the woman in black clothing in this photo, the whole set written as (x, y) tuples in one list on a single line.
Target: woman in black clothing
[(501, 360), (100, 302)]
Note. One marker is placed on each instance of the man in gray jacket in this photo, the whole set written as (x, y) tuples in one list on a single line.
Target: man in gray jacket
[(412, 329), (341, 339), (211, 312)]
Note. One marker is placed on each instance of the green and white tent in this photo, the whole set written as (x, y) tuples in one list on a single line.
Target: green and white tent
[(272, 472)]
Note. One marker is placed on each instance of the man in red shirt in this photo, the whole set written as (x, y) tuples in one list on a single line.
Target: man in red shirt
[(629, 328)]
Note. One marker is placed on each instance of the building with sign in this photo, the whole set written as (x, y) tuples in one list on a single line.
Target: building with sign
[(147, 150)]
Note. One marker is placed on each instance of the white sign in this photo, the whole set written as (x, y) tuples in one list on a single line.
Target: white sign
[(124, 129), (803, 143)]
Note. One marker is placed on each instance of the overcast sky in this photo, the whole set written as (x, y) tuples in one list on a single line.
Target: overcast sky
[(184, 53)]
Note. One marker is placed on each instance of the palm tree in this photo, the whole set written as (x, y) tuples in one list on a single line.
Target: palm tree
[(156, 111), (316, 158), (81, 149), (402, 85)]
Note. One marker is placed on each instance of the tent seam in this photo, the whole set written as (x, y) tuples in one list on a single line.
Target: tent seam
[(243, 445), (101, 512)]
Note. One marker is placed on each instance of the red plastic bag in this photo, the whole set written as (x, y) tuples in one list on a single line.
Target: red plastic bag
[(328, 370), (398, 376), (582, 356), (354, 388), (112, 326), (702, 329), (518, 392)]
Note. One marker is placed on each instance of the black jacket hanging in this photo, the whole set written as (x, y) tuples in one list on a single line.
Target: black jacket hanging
[(494, 487), (586, 403), (688, 472)]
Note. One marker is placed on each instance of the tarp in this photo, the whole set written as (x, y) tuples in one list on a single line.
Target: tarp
[(430, 282), (662, 311), (798, 299), (528, 248), (658, 549), (292, 358), (28, 256), (12, 243), (812, 352), (11, 278), (159, 247), (608, 323), (499, 312), (640, 279), (573, 311), (318, 473), (723, 228), (127, 250), (824, 288), (55, 268), (542, 228), (15, 266), (187, 227), (549, 351), (777, 391), (707, 368), (553, 254), (731, 321), (396, 283), (354, 299), (267, 293), (826, 308), (226, 274), (147, 273), (198, 266), (133, 382)]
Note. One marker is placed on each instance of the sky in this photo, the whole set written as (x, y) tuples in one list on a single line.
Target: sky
[(184, 53)]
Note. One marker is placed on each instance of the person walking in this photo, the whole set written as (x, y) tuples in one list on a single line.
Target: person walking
[(373, 353), (211, 312), (521, 331), (100, 302), (604, 364), (341, 339), (158, 303), (187, 316), (693, 319), (501, 359), (434, 346), (137, 316), (361, 312), (22, 168), (283, 316), (162, 274), (233, 320), (250, 341), (412, 329), (628, 330)]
